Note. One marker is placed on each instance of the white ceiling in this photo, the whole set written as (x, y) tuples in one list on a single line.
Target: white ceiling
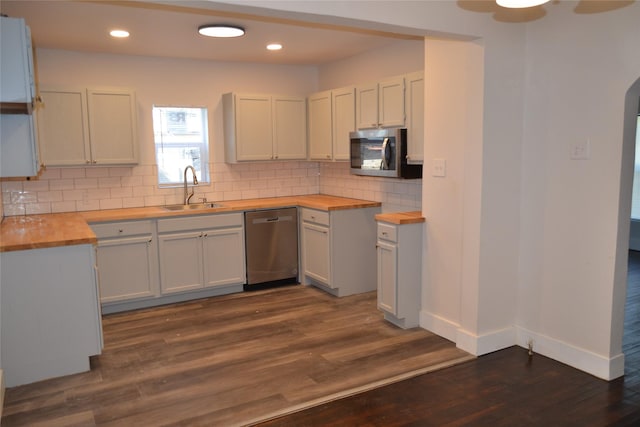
[(171, 31)]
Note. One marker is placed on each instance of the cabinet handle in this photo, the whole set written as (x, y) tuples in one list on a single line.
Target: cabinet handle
[(328, 156), (120, 230), (205, 235), (384, 233), (94, 162), (149, 242), (87, 161), (275, 157)]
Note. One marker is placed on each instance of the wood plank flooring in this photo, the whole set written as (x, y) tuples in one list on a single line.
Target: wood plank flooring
[(505, 388), (231, 360)]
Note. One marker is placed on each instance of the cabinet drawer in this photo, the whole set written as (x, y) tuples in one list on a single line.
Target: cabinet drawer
[(387, 232), (200, 222), (124, 228), (318, 217)]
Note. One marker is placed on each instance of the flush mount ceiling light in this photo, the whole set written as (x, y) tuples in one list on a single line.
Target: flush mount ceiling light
[(274, 46), (120, 34), (221, 30), (519, 4)]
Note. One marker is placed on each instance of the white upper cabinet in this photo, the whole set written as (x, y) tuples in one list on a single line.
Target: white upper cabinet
[(264, 127), (18, 132), (88, 127), (414, 107), (343, 102), (67, 144), (331, 118), (380, 105), (320, 140), (17, 83), (112, 127), (289, 128)]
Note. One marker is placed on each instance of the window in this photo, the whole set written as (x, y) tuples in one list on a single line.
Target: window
[(181, 139)]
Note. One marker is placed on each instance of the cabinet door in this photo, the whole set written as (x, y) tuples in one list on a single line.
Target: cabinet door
[(367, 106), (223, 252), (414, 106), (126, 268), (16, 61), (18, 146), (391, 103), (316, 253), (254, 127), (112, 127), (320, 126), (344, 121), (64, 128), (180, 261), (387, 274), (289, 128)]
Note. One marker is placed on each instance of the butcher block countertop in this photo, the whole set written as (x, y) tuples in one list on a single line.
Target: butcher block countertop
[(401, 217), (66, 229), (44, 231)]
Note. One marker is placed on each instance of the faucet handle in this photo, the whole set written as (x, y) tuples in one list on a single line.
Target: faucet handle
[(204, 199)]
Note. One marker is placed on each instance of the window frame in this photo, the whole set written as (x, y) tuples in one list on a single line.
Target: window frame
[(203, 173)]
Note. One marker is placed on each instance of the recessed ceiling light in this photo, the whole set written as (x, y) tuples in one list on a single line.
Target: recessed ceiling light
[(518, 4), (274, 46), (119, 33), (219, 30)]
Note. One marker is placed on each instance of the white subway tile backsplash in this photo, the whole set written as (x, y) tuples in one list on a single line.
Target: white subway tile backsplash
[(72, 173), (61, 184), (82, 189)]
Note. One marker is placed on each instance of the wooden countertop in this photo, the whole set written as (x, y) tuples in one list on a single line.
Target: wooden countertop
[(44, 231), (401, 217), (49, 230)]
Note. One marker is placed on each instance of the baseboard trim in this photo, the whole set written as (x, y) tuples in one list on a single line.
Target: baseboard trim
[(486, 343), (471, 343), (606, 368), (439, 325)]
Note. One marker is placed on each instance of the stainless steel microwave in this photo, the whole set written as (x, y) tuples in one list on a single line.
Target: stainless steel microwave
[(382, 152)]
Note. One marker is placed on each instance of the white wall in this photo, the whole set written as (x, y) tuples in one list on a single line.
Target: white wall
[(579, 70)]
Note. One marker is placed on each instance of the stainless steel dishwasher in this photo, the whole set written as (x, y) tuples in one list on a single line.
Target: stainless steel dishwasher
[(272, 247)]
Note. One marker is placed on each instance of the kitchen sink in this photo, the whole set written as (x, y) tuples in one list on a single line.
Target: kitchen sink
[(194, 206)]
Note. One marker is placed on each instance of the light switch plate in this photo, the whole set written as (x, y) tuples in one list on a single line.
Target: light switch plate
[(439, 168), (581, 150)]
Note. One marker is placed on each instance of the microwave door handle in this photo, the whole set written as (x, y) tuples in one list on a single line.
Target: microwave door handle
[(385, 163)]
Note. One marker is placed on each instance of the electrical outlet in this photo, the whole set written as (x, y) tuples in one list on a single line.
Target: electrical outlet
[(439, 168)]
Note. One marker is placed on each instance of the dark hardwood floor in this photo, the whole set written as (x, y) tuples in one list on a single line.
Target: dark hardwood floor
[(505, 388)]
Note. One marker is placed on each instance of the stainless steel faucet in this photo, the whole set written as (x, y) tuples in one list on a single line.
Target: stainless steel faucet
[(187, 195)]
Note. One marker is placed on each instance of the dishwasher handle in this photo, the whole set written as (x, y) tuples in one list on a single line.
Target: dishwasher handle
[(271, 219)]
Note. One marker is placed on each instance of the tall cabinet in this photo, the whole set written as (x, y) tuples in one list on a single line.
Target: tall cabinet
[(399, 265)]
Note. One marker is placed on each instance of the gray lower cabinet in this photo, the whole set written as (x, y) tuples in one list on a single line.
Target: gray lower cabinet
[(50, 312), (201, 252), (127, 260), (338, 250)]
